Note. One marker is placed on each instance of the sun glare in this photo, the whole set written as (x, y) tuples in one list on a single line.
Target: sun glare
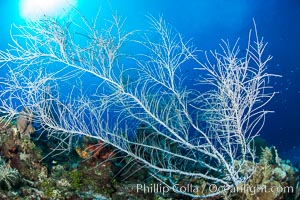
[(35, 9)]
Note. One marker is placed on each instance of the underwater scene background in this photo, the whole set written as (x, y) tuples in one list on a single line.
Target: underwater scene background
[(206, 22)]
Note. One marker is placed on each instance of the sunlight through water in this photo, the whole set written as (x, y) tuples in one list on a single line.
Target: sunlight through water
[(35, 9)]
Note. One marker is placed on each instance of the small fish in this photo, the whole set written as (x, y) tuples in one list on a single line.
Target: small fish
[(82, 153)]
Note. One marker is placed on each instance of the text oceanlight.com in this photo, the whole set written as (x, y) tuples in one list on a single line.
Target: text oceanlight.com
[(211, 188)]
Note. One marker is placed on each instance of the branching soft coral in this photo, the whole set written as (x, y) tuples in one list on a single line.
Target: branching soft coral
[(145, 89)]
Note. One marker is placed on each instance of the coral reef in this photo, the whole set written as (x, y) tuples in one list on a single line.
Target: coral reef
[(9, 177), (273, 179), (23, 176)]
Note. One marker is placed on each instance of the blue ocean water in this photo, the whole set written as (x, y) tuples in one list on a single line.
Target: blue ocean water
[(207, 22)]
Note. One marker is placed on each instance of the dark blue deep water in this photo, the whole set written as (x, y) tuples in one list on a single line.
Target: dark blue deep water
[(207, 22)]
